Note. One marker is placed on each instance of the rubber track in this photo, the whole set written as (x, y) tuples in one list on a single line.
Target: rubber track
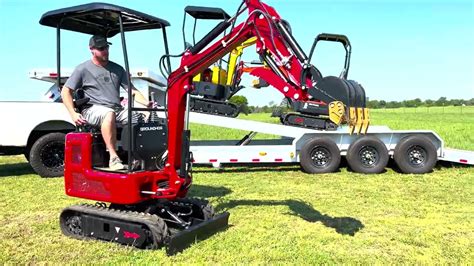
[(285, 121), (154, 223), (214, 102)]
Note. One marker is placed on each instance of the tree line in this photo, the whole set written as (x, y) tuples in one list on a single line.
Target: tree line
[(442, 101), (373, 104)]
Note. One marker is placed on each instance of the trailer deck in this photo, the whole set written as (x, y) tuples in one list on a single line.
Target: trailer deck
[(286, 149)]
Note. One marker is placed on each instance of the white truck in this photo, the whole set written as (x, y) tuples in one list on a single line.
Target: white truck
[(40, 126), (40, 136)]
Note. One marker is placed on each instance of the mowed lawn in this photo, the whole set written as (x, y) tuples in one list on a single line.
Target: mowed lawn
[(279, 214)]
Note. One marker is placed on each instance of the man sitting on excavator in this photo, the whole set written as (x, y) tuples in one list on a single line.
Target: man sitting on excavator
[(101, 79)]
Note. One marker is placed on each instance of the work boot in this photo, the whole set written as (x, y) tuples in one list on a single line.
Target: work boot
[(116, 164)]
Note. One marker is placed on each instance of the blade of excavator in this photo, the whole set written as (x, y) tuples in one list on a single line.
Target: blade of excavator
[(197, 232), (336, 112)]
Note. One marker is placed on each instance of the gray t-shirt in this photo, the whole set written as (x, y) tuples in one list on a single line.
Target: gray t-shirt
[(100, 84)]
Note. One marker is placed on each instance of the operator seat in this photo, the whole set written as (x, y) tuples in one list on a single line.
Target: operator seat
[(81, 102)]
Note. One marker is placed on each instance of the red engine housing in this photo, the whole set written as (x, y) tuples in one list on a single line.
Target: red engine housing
[(82, 181)]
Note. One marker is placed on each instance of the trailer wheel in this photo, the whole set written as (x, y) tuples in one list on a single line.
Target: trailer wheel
[(415, 155), (367, 155), (320, 155), (47, 155)]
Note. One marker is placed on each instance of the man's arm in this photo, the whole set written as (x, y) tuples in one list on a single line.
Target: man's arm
[(66, 94), (138, 96)]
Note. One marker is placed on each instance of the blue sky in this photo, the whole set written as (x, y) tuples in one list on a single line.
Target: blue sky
[(401, 49)]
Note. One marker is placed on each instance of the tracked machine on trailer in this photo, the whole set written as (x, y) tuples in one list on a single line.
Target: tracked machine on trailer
[(329, 110), (317, 102)]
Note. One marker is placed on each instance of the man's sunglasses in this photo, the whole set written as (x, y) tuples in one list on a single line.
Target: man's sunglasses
[(102, 48)]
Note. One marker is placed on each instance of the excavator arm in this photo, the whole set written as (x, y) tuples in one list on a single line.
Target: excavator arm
[(319, 102), (287, 69)]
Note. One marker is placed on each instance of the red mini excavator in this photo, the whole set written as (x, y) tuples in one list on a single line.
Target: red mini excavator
[(149, 208), (148, 205)]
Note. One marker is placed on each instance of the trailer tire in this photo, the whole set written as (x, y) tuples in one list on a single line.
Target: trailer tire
[(415, 155), (367, 155), (47, 155), (320, 155)]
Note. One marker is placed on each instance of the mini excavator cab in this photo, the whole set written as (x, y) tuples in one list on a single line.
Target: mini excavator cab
[(148, 207)]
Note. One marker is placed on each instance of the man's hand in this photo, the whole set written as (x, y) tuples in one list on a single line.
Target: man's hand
[(78, 119)]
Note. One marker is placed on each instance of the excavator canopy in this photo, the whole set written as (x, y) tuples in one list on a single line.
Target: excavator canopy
[(101, 19)]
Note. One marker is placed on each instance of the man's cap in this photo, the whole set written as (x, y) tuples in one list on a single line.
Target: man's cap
[(98, 41)]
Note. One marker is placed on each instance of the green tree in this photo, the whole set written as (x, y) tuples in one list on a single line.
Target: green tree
[(393, 104), (242, 102), (373, 104), (417, 102), (441, 101), (455, 102)]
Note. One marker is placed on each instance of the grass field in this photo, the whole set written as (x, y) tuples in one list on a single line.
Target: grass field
[(279, 214)]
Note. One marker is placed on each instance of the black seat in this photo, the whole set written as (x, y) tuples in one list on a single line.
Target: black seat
[(80, 100)]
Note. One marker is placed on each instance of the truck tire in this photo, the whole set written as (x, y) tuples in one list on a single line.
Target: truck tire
[(415, 155), (320, 155), (367, 155), (47, 155)]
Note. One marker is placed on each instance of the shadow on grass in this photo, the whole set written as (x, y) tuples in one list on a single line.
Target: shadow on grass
[(201, 191), (15, 169), (443, 164), (342, 225), (440, 165), (245, 168)]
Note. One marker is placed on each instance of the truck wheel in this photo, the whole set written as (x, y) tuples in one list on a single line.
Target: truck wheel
[(415, 155), (47, 155), (320, 155), (367, 155)]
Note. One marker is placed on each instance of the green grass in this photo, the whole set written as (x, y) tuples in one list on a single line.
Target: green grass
[(278, 215), (455, 126), (203, 132)]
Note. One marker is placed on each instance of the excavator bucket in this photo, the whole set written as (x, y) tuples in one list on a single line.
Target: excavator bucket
[(352, 119), (365, 121), (358, 120), (201, 231), (360, 117)]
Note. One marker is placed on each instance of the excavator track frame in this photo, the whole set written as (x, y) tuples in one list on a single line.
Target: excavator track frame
[(137, 229)]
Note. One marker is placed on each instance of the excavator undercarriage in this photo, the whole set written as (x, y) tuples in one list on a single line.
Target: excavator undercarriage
[(149, 225)]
